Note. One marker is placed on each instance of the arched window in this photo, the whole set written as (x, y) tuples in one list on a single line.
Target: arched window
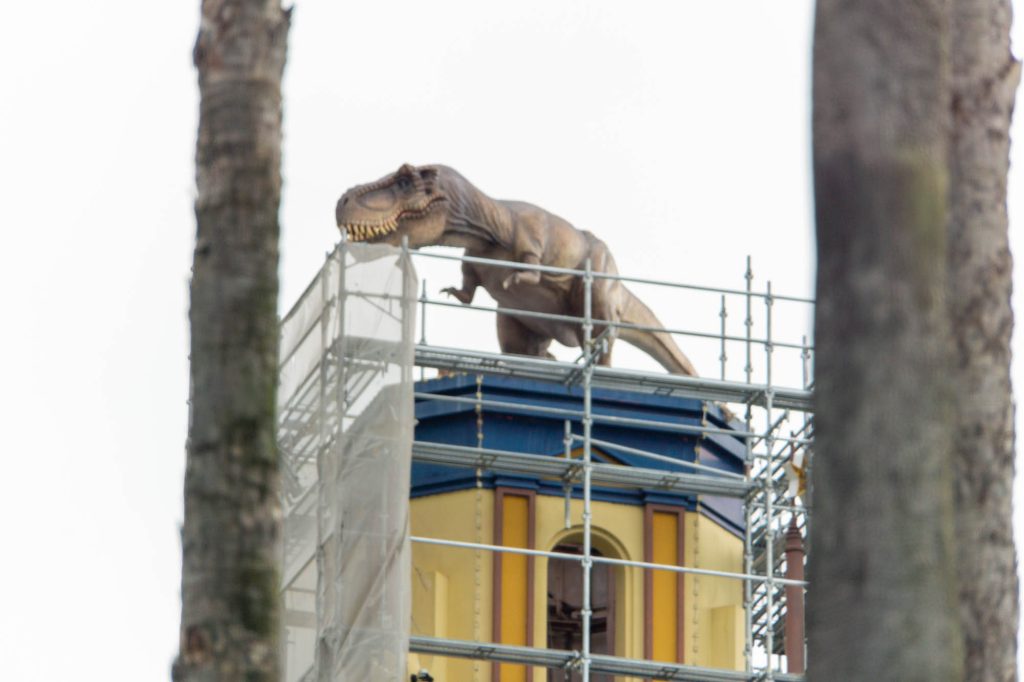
[(565, 603)]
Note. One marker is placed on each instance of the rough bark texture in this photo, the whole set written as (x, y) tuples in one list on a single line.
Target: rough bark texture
[(884, 563), (231, 536), (985, 78)]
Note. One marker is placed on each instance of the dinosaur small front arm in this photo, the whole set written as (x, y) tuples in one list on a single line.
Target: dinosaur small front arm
[(470, 282)]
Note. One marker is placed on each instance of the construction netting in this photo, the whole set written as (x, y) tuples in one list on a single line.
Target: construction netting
[(345, 409)]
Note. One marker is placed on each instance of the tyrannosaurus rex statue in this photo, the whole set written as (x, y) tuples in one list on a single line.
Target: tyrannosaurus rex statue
[(436, 206)]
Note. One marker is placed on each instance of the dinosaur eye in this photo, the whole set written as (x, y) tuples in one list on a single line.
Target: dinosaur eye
[(403, 182)]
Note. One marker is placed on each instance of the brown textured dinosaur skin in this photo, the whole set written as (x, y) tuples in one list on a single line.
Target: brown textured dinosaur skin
[(436, 206)]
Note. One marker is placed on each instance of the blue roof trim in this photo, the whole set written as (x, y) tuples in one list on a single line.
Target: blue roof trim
[(528, 431), (466, 384)]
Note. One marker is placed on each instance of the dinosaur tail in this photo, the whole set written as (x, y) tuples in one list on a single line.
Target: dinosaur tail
[(659, 345)]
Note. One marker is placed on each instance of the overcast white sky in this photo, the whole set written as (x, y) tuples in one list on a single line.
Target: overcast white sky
[(678, 132)]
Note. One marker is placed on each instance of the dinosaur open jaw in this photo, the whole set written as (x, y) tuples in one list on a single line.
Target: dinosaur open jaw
[(362, 232), (375, 231)]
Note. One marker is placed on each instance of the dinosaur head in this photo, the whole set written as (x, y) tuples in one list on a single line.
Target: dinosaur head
[(407, 203)]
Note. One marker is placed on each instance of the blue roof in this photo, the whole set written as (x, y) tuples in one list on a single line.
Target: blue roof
[(507, 427)]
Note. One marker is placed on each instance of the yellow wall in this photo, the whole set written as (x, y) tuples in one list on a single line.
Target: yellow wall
[(708, 545), (464, 515), (452, 594)]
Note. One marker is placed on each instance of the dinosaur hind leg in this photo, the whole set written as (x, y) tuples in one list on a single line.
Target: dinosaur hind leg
[(514, 337)]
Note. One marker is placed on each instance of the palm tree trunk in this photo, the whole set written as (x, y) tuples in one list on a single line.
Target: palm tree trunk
[(231, 536), (883, 567), (985, 78)]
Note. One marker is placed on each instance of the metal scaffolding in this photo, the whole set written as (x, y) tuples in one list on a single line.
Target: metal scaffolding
[(769, 510), (777, 431)]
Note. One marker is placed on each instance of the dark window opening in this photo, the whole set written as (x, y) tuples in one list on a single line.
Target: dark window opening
[(565, 601)]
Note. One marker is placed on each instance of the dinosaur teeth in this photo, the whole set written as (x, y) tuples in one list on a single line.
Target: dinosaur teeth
[(362, 231)]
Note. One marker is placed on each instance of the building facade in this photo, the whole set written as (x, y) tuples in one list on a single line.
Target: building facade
[(474, 594)]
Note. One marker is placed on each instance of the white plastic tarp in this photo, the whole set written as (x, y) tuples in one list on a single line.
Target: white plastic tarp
[(346, 420)]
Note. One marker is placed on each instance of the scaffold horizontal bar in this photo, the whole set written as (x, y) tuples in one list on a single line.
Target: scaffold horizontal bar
[(578, 558), (610, 445), (516, 265), (575, 319), (521, 366), (559, 659), (560, 468)]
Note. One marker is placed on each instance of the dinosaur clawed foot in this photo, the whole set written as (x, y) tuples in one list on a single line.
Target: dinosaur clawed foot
[(463, 296)]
